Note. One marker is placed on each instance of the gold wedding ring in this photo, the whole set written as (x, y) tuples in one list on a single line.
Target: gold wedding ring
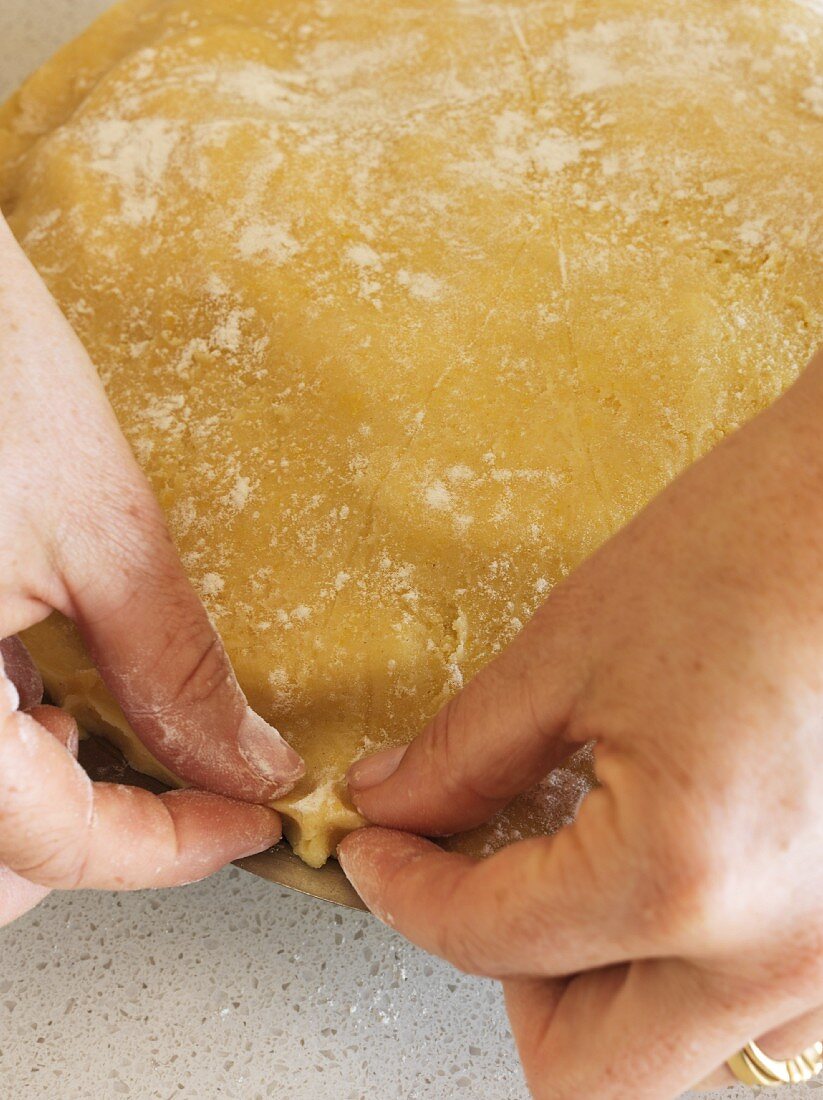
[(751, 1066)]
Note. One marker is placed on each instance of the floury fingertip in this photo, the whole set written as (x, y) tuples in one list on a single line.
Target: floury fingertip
[(268, 755), (376, 769)]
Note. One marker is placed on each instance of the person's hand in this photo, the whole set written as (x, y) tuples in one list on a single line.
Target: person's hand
[(81, 532), (682, 914), (22, 687)]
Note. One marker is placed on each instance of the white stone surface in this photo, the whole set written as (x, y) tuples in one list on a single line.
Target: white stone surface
[(238, 990), (230, 988), (234, 988)]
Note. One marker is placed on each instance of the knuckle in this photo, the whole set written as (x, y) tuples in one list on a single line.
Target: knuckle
[(460, 941), (442, 746), (459, 771), (192, 669), (203, 673), (458, 949), (55, 862), (683, 898), (45, 827), (137, 519), (799, 968)]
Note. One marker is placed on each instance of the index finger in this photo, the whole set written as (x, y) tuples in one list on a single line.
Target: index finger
[(60, 830), (542, 907)]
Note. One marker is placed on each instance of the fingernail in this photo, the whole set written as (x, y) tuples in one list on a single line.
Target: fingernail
[(375, 769), (257, 850), (73, 742), (267, 754), (261, 846)]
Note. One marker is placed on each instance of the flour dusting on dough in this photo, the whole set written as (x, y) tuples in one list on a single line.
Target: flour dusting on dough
[(406, 308)]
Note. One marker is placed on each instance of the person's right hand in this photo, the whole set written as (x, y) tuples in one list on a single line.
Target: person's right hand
[(81, 532), (681, 915)]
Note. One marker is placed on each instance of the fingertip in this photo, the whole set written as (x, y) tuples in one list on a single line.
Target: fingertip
[(268, 754), (376, 843), (267, 832), (238, 829), (370, 857), (60, 725)]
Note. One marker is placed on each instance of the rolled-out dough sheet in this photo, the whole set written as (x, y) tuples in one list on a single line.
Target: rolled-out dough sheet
[(406, 307)]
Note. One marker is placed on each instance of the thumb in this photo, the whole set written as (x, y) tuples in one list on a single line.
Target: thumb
[(159, 654), (495, 739), (121, 580)]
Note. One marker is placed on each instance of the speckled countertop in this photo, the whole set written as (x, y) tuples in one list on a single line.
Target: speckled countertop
[(234, 988), (230, 988)]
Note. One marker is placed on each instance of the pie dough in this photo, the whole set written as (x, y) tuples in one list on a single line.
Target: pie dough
[(405, 308)]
